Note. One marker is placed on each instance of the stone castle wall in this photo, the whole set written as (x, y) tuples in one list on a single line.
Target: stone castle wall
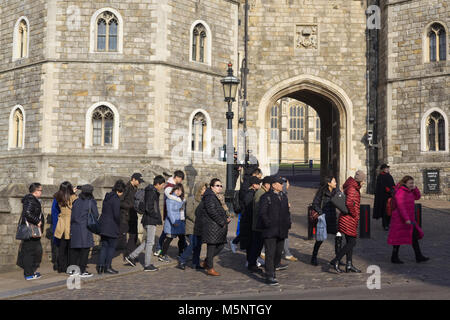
[(410, 87)]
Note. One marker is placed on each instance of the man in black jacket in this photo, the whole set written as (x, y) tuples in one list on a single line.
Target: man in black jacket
[(128, 216), (384, 188), (30, 253), (275, 221), (150, 219)]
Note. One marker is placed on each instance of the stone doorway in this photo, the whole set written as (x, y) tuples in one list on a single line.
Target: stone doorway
[(334, 109)]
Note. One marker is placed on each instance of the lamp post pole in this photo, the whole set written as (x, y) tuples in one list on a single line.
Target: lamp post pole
[(230, 84)]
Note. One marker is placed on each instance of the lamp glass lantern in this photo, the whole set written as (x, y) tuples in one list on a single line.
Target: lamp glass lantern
[(230, 84)]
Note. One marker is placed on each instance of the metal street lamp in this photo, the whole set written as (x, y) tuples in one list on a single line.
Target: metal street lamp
[(230, 84)]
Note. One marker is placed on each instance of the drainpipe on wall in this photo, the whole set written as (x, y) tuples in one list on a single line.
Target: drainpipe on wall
[(372, 101)]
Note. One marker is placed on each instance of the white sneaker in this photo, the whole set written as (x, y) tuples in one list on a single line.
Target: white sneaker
[(260, 262), (233, 247), (157, 253), (86, 275)]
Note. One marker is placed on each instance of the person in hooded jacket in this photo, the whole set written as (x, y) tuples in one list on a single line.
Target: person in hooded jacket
[(30, 251), (322, 205), (110, 228), (404, 228), (348, 223), (214, 225), (174, 225), (81, 238)]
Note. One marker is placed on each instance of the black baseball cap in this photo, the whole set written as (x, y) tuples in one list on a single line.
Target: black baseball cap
[(267, 179), (384, 166), (277, 179), (137, 176), (254, 180)]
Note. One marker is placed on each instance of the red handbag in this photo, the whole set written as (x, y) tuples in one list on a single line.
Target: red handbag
[(313, 216), (389, 207)]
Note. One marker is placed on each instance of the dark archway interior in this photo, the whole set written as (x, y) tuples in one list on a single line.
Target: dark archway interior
[(330, 130)]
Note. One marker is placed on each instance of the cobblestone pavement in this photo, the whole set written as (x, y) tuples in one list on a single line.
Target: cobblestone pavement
[(172, 283)]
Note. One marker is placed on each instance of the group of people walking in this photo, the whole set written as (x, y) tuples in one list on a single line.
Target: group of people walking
[(203, 218), (393, 203)]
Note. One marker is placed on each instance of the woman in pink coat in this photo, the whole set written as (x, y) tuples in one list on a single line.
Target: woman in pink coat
[(404, 229)]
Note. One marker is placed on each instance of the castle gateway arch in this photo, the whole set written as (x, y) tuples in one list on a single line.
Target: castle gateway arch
[(335, 109)]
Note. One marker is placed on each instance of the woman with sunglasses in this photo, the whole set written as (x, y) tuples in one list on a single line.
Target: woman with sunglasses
[(215, 225)]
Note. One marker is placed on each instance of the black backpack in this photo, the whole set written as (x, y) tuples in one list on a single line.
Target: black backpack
[(139, 201), (236, 202)]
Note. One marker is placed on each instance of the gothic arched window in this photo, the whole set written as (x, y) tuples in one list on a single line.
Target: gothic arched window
[(198, 132), (296, 122), (102, 126), (107, 31), (437, 42), (435, 131), (21, 38), (199, 43)]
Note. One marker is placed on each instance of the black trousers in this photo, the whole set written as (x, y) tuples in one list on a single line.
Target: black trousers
[(212, 250), (31, 255), (79, 257), (347, 249), (63, 255), (274, 249), (386, 220), (415, 245), (181, 244), (256, 246)]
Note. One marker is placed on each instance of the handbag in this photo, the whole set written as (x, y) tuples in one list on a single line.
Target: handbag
[(338, 200), (313, 215), (28, 230), (92, 224), (23, 230)]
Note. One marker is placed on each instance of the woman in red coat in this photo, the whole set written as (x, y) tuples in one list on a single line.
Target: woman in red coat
[(404, 229), (348, 223)]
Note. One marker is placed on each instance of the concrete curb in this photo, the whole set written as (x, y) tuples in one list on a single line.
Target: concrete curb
[(60, 284)]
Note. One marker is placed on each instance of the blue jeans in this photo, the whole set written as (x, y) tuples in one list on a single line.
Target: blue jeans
[(161, 241), (107, 251), (194, 248)]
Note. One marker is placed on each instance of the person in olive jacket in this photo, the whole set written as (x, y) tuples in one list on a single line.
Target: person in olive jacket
[(110, 227), (214, 225), (30, 251), (275, 221), (81, 238)]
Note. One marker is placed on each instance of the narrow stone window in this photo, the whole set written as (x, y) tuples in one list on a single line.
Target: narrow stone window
[(107, 26), (435, 129), (199, 132), (296, 122), (274, 123), (17, 129), (199, 43), (23, 39), (317, 129), (437, 40), (102, 126)]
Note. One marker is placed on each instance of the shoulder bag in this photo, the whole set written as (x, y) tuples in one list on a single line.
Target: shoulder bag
[(92, 224), (338, 200)]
